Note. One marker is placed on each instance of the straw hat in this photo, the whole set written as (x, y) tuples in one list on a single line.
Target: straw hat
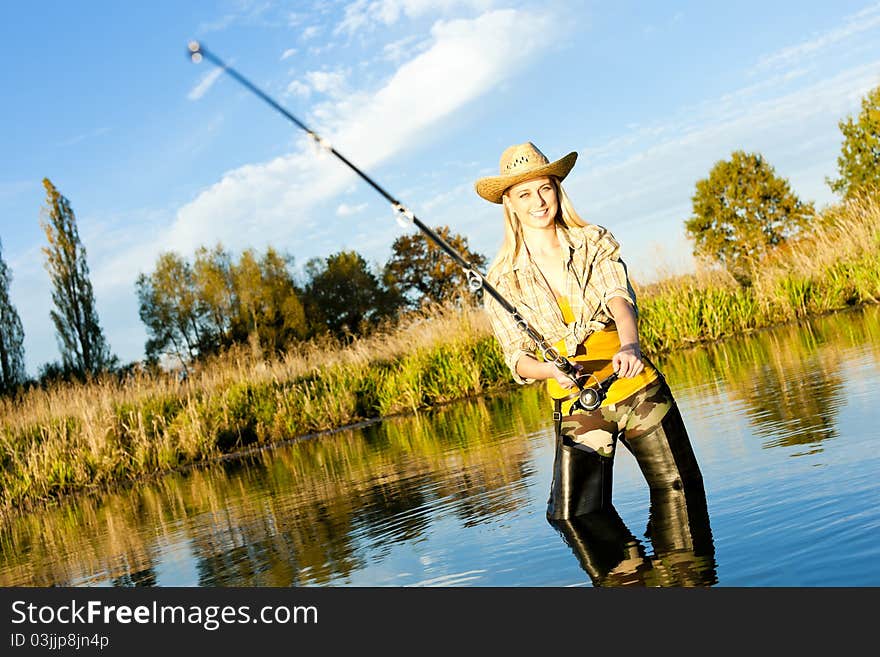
[(520, 163)]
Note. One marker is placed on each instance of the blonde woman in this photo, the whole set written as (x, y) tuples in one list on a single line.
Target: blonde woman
[(566, 278)]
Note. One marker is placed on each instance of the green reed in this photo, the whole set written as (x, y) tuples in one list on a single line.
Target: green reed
[(79, 439)]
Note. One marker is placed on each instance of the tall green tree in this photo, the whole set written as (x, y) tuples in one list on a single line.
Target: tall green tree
[(215, 291), (422, 272), (343, 295), (191, 310), (12, 372), (859, 159), (170, 309), (84, 350), (741, 210), (268, 308)]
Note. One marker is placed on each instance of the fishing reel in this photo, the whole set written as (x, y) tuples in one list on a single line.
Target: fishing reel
[(591, 397)]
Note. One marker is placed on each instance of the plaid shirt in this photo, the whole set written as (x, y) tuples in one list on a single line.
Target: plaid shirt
[(594, 274)]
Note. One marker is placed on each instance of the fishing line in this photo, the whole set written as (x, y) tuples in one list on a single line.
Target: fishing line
[(475, 280)]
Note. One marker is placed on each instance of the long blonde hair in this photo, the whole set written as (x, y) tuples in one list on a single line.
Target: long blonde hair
[(513, 236)]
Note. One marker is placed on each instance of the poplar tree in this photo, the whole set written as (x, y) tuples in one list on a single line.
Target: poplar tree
[(84, 349), (12, 371)]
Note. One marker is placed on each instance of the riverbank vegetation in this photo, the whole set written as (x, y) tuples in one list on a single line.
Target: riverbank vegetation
[(834, 266)]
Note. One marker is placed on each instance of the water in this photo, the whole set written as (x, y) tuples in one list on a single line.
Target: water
[(785, 425)]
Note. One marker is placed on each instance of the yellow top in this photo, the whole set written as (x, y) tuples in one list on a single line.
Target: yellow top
[(596, 353)]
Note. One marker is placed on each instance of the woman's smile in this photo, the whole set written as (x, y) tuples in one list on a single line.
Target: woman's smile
[(535, 201)]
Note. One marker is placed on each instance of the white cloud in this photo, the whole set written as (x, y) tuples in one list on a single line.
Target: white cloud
[(83, 137), (467, 58), (217, 25), (355, 18), (290, 52), (863, 21), (397, 51), (310, 32), (246, 12), (346, 210), (362, 14), (331, 83), (206, 82), (298, 88), (644, 193)]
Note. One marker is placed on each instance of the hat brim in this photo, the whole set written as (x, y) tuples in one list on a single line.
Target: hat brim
[(492, 188)]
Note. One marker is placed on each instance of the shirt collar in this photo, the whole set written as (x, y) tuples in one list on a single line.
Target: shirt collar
[(572, 238), (522, 259)]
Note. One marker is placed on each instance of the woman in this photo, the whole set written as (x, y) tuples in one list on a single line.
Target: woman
[(566, 279)]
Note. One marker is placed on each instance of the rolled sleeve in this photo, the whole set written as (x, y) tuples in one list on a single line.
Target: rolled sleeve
[(514, 343), (610, 273)]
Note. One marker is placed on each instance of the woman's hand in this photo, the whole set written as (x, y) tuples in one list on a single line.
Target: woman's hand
[(561, 378), (531, 368), (628, 361)]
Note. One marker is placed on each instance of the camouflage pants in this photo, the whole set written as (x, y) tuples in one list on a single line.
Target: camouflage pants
[(648, 423), (635, 416)]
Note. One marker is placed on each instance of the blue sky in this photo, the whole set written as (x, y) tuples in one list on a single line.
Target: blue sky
[(156, 153)]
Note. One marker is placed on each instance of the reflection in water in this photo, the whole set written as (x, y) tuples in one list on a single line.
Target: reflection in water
[(787, 403), (678, 527), (140, 578)]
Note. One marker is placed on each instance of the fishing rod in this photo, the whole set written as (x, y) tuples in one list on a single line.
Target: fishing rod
[(589, 398)]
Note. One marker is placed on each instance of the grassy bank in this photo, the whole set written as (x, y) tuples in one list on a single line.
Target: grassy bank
[(84, 437), (836, 267)]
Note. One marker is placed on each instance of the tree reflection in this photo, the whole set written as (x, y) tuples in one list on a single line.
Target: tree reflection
[(790, 380)]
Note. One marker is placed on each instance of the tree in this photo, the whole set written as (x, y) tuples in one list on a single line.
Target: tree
[(859, 160), (84, 349), (422, 272), (343, 295), (170, 309), (12, 372), (215, 291), (268, 306), (742, 209), (194, 310)]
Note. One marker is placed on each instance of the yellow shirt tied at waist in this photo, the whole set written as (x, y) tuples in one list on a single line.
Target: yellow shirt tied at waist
[(595, 354)]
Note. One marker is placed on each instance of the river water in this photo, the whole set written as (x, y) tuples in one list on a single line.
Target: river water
[(785, 424)]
